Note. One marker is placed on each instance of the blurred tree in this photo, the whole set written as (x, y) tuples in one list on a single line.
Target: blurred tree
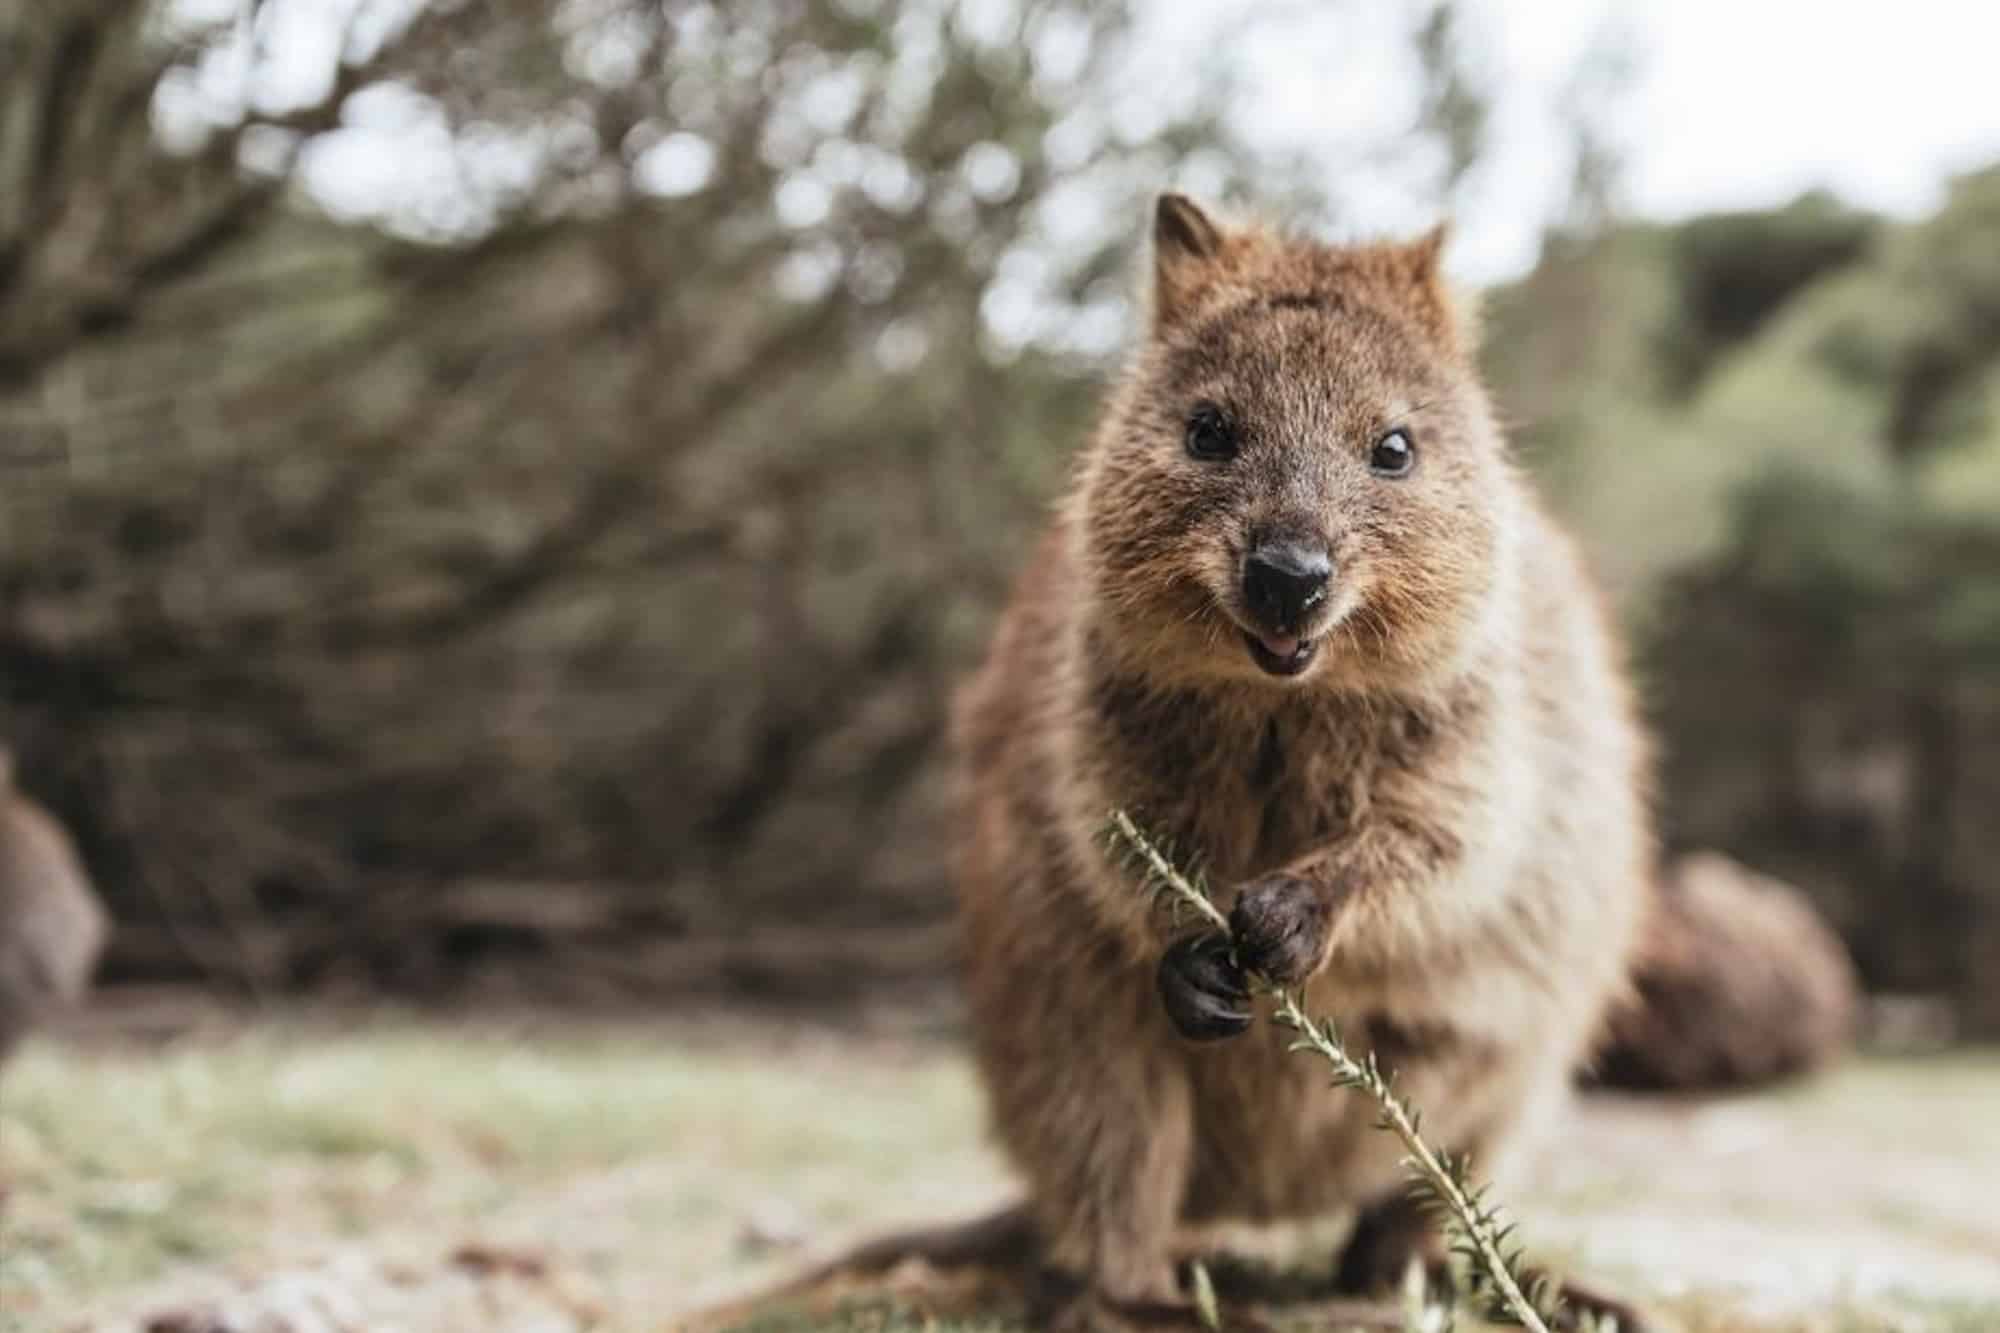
[(1733, 270), (1456, 107), (1786, 451), (1859, 580), (570, 532)]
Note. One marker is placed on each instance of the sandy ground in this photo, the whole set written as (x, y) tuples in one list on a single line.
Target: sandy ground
[(406, 1175)]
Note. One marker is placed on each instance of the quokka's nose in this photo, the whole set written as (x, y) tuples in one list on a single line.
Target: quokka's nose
[(1283, 581)]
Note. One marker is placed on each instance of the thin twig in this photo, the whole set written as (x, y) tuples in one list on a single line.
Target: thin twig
[(1165, 871), (1481, 1233), (1478, 1223)]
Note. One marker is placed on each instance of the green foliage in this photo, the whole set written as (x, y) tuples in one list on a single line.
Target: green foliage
[(1733, 271), (629, 1157), (1778, 435), (869, 1317), (554, 558)]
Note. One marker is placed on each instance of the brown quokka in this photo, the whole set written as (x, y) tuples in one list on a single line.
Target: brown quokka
[(1301, 615), (52, 928)]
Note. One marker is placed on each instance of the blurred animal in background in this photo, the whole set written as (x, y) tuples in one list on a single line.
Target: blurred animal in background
[(52, 927), (1737, 981)]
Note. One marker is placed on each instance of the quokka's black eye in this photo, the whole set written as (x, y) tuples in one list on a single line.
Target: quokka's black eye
[(1393, 455), (1210, 437)]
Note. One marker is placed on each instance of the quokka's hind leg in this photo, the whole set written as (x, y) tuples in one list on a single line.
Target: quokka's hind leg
[(1108, 1177), (1092, 1099)]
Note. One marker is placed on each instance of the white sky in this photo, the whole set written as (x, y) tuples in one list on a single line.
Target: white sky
[(1747, 103), (1882, 104), (1737, 103)]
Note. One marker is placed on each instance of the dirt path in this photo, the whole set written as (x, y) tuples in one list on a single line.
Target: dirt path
[(1873, 1189), (416, 1178)]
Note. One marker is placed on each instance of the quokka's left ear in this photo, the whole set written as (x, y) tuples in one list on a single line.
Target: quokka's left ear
[(1189, 249), (1427, 251), (1451, 317)]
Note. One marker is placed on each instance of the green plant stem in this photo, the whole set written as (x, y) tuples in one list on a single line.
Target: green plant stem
[(1476, 1224), (1479, 1227), (1166, 872)]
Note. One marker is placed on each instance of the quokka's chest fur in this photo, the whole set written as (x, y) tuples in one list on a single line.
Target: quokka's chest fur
[(1243, 788)]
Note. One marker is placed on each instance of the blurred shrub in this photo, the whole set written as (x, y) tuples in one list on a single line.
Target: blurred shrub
[(1809, 539), (1830, 696), (563, 541), (1732, 271), (560, 546)]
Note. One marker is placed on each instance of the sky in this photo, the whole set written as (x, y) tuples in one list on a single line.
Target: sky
[(1741, 108), (1735, 103)]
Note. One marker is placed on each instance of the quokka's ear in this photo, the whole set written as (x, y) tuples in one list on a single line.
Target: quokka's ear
[(1427, 251), (1187, 246), (1430, 294)]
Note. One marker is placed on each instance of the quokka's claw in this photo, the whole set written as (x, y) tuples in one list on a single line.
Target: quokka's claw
[(1207, 995)]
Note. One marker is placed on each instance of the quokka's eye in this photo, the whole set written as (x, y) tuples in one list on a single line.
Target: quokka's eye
[(1209, 434), (1393, 455)]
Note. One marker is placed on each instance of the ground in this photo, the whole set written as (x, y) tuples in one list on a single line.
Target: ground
[(413, 1174)]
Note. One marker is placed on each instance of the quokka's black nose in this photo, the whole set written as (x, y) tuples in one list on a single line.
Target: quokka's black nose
[(1283, 581)]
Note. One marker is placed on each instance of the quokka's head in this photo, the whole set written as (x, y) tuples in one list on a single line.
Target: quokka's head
[(1299, 477)]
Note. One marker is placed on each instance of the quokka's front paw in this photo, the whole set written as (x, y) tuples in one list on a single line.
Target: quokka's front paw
[(1280, 923), (1206, 993)]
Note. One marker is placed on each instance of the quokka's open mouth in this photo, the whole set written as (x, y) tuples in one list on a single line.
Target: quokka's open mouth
[(1281, 654)]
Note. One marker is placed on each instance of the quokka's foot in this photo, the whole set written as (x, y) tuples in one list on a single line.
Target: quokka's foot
[(1386, 1239), (1581, 1301)]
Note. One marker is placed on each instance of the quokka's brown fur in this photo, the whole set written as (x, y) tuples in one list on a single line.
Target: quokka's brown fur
[(1439, 827), (1737, 981), (52, 928)]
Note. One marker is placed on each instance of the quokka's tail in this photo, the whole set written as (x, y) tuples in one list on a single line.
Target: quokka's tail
[(1737, 981)]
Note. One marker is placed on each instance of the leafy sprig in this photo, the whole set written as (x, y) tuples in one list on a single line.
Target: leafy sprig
[(1474, 1220)]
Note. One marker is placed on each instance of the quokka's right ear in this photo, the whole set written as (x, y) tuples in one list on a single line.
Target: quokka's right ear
[(1187, 247)]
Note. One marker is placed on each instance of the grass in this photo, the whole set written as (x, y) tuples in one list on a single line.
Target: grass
[(888, 1317), (123, 1167), (652, 1169)]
